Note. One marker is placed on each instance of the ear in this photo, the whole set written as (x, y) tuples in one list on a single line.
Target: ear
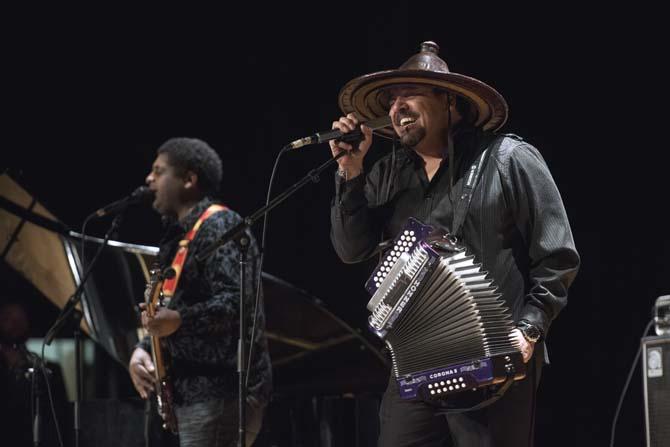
[(190, 180), (450, 100), (450, 103)]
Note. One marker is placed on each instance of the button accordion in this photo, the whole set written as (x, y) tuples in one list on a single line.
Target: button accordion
[(440, 317)]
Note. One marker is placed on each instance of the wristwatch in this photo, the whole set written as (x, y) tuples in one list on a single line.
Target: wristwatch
[(529, 331), (344, 175)]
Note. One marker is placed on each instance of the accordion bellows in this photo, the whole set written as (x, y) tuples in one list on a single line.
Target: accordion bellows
[(440, 316)]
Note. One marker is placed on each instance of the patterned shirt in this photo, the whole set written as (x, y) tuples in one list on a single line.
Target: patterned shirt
[(203, 350)]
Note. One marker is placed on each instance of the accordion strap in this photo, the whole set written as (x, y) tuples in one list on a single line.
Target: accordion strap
[(465, 199), (497, 395)]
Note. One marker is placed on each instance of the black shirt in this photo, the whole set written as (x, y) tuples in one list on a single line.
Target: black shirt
[(204, 348), (516, 225)]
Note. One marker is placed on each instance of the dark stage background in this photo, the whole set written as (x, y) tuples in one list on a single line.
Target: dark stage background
[(90, 100)]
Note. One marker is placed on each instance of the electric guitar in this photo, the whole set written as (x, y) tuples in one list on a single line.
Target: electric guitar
[(153, 296)]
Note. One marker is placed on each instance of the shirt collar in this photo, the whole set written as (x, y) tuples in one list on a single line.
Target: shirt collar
[(190, 219), (464, 143)]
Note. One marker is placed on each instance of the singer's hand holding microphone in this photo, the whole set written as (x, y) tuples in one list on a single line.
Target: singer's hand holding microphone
[(347, 135), (351, 165)]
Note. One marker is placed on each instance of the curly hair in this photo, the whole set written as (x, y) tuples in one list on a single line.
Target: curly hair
[(192, 154)]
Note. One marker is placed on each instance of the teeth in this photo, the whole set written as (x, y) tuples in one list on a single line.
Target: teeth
[(406, 121)]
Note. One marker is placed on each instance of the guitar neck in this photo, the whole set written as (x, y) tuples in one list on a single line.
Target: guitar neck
[(153, 301), (157, 354)]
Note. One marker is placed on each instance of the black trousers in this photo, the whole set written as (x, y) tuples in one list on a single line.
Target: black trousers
[(507, 422)]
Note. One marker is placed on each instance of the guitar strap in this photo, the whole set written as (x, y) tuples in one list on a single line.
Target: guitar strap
[(170, 285)]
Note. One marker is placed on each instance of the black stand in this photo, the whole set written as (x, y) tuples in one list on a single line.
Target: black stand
[(37, 417), (239, 233), (37, 392), (243, 245), (70, 314)]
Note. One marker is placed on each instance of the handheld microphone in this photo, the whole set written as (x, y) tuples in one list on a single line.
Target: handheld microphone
[(140, 195), (336, 134)]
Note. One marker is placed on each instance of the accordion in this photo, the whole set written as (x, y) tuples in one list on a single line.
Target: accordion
[(439, 315)]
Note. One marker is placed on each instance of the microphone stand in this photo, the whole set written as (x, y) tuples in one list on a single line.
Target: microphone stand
[(71, 314), (37, 386), (238, 233)]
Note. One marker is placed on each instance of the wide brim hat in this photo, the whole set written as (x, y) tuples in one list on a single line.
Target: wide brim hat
[(367, 96)]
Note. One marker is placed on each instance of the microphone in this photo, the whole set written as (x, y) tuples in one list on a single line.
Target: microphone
[(140, 195), (336, 134)]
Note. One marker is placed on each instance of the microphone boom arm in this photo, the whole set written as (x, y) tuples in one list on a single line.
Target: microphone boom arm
[(247, 222)]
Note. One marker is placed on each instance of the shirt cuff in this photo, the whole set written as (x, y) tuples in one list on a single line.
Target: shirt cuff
[(537, 317)]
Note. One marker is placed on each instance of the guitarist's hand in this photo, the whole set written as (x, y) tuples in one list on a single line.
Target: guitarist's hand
[(142, 372), (164, 322)]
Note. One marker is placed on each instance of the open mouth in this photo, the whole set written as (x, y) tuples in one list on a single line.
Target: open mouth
[(407, 121)]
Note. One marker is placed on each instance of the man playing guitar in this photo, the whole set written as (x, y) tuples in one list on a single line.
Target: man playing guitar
[(199, 327)]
